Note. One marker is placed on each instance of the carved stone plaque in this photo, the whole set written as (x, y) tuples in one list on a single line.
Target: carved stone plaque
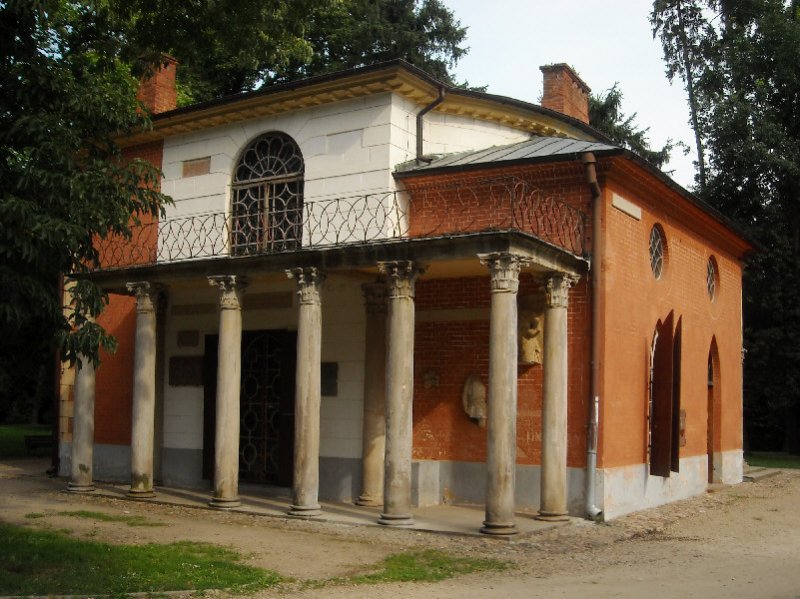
[(530, 332)]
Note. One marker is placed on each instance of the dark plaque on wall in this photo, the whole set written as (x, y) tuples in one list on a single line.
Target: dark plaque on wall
[(185, 371), (330, 379)]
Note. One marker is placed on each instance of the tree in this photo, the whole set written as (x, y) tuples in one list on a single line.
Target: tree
[(67, 96), (355, 33), (605, 115), (683, 32), (747, 90), (223, 46), (231, 46)]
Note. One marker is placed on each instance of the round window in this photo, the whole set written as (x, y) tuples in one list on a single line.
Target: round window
[(657, 251)]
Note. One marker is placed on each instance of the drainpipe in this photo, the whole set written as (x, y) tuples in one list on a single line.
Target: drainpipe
[(420, 116), (593, 512)]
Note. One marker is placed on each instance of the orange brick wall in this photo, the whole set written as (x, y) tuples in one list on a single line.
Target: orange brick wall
[(454, 350), (635, 301), (442, 431), (437, 208), (114, 378)]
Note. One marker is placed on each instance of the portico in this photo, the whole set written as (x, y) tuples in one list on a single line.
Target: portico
[(385, 474)]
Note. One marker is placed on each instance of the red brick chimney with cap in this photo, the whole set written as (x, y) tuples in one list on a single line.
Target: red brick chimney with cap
[(565, 92), (157, 91)]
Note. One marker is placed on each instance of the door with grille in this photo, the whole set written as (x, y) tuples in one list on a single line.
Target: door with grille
[(266, 431)]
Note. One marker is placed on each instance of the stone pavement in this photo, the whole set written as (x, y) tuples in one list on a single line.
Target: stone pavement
[(274, 502)]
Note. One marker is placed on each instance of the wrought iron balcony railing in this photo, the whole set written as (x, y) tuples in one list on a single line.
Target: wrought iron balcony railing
[(499, 204)]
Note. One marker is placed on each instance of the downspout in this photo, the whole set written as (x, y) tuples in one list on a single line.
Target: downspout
[(593, 512), (420, 115)]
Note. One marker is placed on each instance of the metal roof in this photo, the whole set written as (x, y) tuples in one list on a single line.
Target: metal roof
[(536, 148)]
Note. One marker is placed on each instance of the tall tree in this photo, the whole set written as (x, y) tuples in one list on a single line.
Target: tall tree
[(683, 32), (355, 33), (748, 98), (63, 181), (230, 46), (605, 115), (223, 46)]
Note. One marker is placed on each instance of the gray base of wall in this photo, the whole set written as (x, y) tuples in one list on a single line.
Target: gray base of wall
[(112, 463), (433, 482), (183, 468), (442, 482), (339, 479)]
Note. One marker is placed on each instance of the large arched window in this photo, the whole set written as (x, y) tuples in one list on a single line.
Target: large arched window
[(267, 196)]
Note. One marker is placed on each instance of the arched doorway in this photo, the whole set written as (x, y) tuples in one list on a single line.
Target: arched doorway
[(665, 402), (714, 415)]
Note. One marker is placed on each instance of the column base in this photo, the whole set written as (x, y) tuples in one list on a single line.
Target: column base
[(224, 503), (552, 516), (369, 501), (499, 528), (141, 493), (80, 488), (304, 511), (396, 520)]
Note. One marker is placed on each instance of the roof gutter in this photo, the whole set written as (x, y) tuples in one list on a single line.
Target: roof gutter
[(593, 512), (420, 116)]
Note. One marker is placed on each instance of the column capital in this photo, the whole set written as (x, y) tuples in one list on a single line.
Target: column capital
[(230, 290), (504, 270), (309, 280), (375, 295), (146, 295), (401, 277), (557, 289)]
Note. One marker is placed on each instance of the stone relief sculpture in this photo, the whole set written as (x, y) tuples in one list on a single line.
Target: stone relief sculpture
[(473, 399), (531, 329)]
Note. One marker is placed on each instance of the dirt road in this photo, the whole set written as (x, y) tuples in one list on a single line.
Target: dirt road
[(741, 541)]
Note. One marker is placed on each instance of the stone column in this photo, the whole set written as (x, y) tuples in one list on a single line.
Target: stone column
[(401, 277), (229, 374), (80, 480), (501, 431), (305, 487), (144, 390), (374, 429), (553, 504)]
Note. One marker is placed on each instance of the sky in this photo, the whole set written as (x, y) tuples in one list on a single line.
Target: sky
[(605, 41)]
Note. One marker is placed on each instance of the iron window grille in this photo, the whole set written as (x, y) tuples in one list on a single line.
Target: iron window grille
[(711, 278), (267, 197), (657, 251)]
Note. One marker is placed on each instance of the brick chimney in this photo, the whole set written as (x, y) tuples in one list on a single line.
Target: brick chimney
[(157, 91), (565, 92)]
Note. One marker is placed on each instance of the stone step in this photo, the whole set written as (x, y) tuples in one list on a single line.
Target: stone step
[(752, 474)]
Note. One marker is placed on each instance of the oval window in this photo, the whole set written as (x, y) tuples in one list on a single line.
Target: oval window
[(658, 251)]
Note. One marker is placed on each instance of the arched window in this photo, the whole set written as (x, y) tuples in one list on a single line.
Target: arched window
[(267, 196)]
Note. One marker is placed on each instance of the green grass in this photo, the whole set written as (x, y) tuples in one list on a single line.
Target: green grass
[(129, 520), (773, 460), (12, 440), (34, 562), (426, 566)]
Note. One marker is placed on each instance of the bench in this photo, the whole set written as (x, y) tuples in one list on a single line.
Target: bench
[(34, 442)]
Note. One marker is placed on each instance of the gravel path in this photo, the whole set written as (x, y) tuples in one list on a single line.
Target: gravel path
[(741, 541)]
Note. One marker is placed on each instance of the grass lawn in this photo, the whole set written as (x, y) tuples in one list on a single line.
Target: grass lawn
[(426, 566), (773, 460), (12, 440), (35, 562)]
